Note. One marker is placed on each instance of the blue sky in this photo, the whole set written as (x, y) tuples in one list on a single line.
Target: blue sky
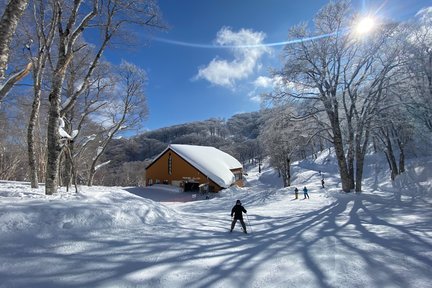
[(190, 79)]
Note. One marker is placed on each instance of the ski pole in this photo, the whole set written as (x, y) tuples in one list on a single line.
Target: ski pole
[(250, 226)]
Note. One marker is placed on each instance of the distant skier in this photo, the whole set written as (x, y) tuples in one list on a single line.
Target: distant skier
[(296, 193), (322, 182), (237, 211), (305, 192)]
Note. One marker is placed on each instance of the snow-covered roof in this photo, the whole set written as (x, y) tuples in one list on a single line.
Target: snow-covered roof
[(212, 162)]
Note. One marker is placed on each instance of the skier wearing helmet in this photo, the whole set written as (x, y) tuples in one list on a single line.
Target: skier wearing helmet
[(237, 212)]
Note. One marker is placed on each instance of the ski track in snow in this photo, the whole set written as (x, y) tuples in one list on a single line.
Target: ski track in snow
[(116, 237)]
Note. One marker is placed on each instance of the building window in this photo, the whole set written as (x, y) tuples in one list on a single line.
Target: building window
[(169, 164)]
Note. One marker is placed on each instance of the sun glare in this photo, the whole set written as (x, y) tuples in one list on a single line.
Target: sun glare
[(365, 25)]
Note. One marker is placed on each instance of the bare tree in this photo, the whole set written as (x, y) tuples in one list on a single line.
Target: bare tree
[(69, 32), (114, 15), (44, 26), (12, 139), (342, 76), (395, 136), (394, 133), (78, 117), (126, 110), (417, 94), (282, 138)]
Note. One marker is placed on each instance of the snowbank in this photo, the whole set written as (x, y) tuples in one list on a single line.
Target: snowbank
[(131, 237), (92, 208)]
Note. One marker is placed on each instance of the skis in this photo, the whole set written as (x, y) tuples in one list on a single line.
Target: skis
[(241, 230)]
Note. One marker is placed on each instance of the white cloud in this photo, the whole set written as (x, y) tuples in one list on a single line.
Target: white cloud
[(267, 82), (425, 14), (246, 46), (424, 18), (254, 97), (264, 84)]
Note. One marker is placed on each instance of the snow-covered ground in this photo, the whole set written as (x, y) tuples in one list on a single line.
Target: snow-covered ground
[(159, 237)]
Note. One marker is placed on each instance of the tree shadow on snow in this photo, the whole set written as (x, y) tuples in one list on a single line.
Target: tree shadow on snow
[(164, 195), (325, 242)]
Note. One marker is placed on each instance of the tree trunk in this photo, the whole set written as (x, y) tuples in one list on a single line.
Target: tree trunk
[(401, 161), (92, 172), (401, 157), (350, 164), (66, 40), (71, 166), (67, 161), (45, 41), (350, 153), (391, 158), (33, 162), (288, 172), (68, 169), (346, 177), (332, 110), (8, 25), (359, 157), (359, 174), (54, 145)]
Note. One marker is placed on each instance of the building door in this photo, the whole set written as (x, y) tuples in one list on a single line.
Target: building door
[(191, 186)]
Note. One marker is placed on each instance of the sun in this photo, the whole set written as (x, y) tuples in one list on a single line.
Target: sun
[(365, 25)]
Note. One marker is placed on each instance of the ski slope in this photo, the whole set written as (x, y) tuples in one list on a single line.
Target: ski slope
[(159, 237)]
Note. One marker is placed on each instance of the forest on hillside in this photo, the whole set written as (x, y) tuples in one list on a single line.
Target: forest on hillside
[(237, 136)]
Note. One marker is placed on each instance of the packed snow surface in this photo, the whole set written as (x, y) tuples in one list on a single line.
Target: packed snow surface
[(160, 237)]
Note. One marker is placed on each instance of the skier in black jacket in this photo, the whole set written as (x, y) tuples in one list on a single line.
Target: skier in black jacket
[(237, 212)]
